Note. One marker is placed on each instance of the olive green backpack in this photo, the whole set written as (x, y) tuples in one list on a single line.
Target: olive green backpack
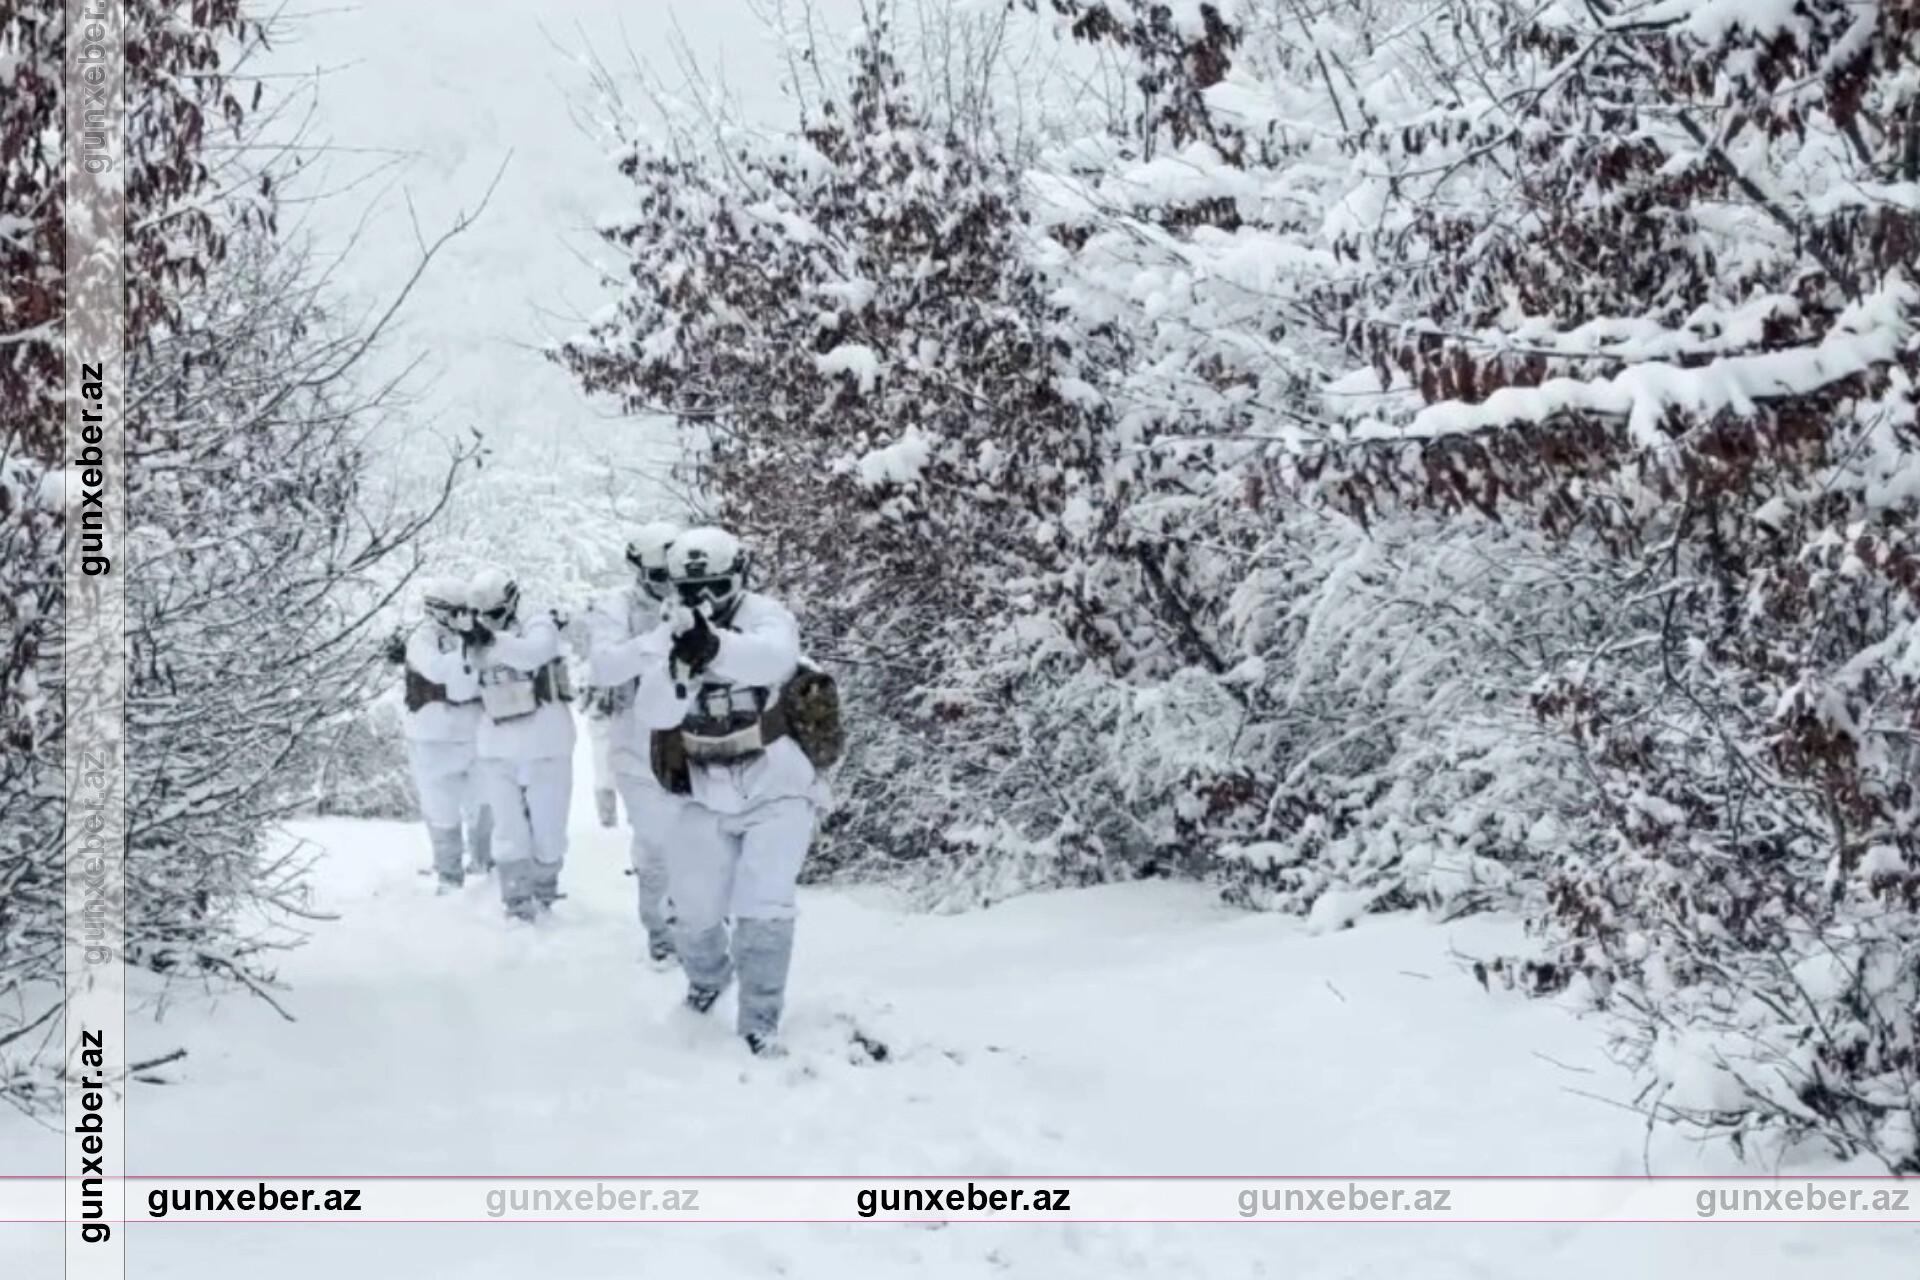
[(811, 702)]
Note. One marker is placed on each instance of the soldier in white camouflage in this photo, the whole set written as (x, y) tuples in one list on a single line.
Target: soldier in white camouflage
[(443, 718), (626, 638), (719, 700), (526, 739)]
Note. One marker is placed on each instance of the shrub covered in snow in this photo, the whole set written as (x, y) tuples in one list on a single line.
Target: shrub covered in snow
[(845, 316), (177, 90), (1378, 454), (32, 801), (1701, 360), (357, 765), (1600, 321)]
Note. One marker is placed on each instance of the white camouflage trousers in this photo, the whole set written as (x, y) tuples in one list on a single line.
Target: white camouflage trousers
[(651, 812), (447, 781), (744, 866), (529, 800)]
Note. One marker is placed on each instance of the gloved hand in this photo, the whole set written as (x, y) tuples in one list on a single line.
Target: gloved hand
[(695, 647), (395, 649), (675, 617)]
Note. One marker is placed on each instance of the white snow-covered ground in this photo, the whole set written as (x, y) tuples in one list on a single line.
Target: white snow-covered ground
[(1131, 1029)]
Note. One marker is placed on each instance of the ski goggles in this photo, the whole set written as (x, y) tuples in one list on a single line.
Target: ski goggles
[(655, 575), (498, 616), (696, 592)]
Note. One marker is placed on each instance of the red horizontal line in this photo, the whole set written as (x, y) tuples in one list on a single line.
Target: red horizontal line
[(1346, 1222), (976, 1177)]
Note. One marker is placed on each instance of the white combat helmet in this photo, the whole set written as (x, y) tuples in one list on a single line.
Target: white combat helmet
[(444, 600), (495, 596), (647, 553), (708, 569)]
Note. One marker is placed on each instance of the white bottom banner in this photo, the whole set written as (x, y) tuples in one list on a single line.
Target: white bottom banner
[(711, 1199)]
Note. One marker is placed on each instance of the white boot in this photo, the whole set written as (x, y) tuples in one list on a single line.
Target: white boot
[(480, 842), (448, 855)]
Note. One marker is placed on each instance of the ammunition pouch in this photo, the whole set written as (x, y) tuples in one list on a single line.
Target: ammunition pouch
[(668, 756), (552, 683), (723, 742), (612, 701), (422, 692), (718, 730), (508, 694)]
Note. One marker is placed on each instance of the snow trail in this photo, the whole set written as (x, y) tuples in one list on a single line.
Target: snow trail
[(1130, 1029)]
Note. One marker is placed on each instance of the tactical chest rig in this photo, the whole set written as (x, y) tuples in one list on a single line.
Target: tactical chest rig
[(422, 692), (729, 724), (508, 694)]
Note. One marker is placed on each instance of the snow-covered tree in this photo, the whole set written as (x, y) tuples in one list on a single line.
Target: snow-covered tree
[(1599, 319), (846, 317), (1384, 453), (1641, 275), (257, 557), (181, 99), (179, 96), (257, 571), (899, 388), (31, 798)]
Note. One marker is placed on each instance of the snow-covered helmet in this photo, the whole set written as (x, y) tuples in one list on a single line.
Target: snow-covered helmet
[(444, 600), (495, 596), (708, 569), (647, 553)]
